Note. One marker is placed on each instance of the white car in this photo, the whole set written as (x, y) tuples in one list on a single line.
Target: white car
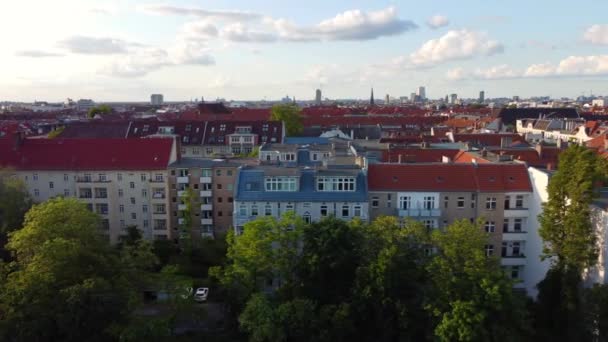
[(201, 294)]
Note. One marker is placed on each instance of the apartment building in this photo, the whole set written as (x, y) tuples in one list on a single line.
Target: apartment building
[(204, 190), (124, 181), (437, 194), (210, 139), (312, 193)]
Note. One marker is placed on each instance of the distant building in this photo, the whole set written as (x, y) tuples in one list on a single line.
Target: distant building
[(482, 96), (516, 98), (453, 98), (318, 95), (413, 97), (371, 98), (84, 104), (156, 99), (387, 99), (421, 93)]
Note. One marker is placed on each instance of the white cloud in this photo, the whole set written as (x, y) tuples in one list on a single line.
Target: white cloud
[(201, 13), (597, 34), (94, 45), (583, 65), (349, 25), (37, 54), (437, 21), (199, 30), (496, 73), (456, 74), (539, 70), (139, 63), (455, 45), (237, 32)]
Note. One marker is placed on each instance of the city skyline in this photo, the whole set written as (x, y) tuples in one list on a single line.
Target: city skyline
[(125, 50)]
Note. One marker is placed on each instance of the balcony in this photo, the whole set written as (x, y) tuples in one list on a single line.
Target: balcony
[(159, 213), (205, 180), (91, 180), (419, 212), (516, 212), (207, 221), (181, 193), (514, 236), (181, 220), (183, 180), (205, 193), (158, 195), (206, 207), (182, 207), (513, 260), (157, 180)]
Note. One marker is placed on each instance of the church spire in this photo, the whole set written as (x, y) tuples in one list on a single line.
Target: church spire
[(371, 99)]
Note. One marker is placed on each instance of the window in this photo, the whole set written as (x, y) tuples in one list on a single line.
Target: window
[(182, 173), (86, 193), (228, 172), (219, 186), (518, 225), (133, 216), (87, 177), (505, 225), (519, 201), (515, 272), (489, 250), (446, 199), (429, 202), (218, 172), (513, 249), (280, 183), (101, 193), (324, 211), (102, 177), (429, 224), (490, 226), (206, 173), (122, 224), (375, 202), (507, 202), (132, 200), (345, 211), (158, 177), (146, 224), (121, 208), (66, 192), (219, 200), (65, 177), (229, 186), (405, 202), (144, 208), (242, 210), (335, 184), (267, 210), (307, 218), (230, 199), (491, 203), (119, 176), (101, 208), (144, 193), (254, 210), (105, 224), (144, 177), (460, 202), (36, 192), (120, 193), (132, 185), (51, 185), (35, 177), (160, 224), (159, 208), (357, 211)]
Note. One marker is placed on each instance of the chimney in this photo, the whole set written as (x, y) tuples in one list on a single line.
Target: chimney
[(18, 140), (484, 152), (399, 160), (539, 150), (446, 159), (549, 166)]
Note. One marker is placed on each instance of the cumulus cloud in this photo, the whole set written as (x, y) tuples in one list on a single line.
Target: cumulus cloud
[(456, 74), (349, 25), (139, 63), (455, 45), (237, 32), (202, 30), (437, 21), (94, 45), (539, 70), (496, 73), (583, 65), (37, 54), (201, 13), (597, 34)]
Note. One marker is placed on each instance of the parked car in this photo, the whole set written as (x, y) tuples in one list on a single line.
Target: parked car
[(201, 294)]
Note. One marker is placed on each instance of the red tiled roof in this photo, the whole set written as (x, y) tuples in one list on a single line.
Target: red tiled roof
[(488, 139), (449, 177), (86, 154), (467, 158), (418, 155)]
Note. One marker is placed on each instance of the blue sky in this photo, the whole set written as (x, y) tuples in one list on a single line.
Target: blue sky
[(125, 50)]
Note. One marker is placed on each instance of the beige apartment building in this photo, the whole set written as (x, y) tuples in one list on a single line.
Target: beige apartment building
[(123, 180), (437, 194)]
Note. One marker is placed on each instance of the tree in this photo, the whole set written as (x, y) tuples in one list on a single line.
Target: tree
[(15, 201), (472, 299), (565, 224), (290, 115), (66, 283), (101, 109)]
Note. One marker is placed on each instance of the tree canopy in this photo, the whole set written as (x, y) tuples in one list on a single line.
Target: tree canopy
[(290, 114), (101, 109)]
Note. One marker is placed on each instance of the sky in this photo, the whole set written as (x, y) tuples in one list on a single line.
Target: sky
[(125, 50)]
